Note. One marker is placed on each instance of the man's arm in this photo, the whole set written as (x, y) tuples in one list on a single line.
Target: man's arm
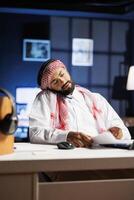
[(40, 123), (41, 130), (113, 122)]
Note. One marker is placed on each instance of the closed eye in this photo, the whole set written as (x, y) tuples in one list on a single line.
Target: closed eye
[(55, 81), (62, 74)]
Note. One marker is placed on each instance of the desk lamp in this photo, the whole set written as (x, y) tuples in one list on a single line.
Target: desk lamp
[(130, 79), (130, 87)]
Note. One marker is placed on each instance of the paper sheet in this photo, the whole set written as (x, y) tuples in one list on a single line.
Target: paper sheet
[(108, 138)]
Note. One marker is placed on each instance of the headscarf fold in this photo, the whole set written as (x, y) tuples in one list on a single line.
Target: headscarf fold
[(59, 110), (59, 113)]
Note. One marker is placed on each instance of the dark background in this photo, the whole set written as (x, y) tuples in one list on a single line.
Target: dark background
[(109, 24)]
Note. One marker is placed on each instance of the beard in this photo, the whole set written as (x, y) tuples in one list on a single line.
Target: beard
[(65, 92)]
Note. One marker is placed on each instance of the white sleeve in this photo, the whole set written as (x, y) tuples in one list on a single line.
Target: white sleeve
[(40, 129), (111, 118)]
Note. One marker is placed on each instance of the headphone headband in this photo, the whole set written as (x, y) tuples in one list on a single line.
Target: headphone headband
[(8, 125), (9, 95)]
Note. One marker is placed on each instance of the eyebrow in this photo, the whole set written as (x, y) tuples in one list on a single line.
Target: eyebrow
[(58, 76)]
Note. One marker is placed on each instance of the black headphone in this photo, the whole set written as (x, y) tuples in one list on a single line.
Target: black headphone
[(8, 125)]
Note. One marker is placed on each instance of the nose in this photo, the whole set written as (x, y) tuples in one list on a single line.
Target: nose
[(62, 80)]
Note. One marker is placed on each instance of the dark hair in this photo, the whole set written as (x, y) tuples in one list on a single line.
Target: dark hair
[(41, 70)]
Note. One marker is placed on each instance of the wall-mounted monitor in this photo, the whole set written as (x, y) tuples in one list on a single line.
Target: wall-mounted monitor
[(24, 99), (36, 50)]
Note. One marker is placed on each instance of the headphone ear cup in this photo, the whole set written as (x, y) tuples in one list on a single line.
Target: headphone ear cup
[(8, 125)]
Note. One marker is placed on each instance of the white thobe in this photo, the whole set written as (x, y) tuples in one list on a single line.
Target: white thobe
[(80, 119)]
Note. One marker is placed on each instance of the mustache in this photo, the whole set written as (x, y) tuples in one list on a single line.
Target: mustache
[(65, 84), (64, 92)]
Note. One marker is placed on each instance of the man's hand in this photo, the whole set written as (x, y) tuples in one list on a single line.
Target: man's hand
[(117, 132), (79, 139)]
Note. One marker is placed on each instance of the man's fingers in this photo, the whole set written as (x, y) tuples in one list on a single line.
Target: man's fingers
[(79, 139), (117, 132), (86, 138), (78, 143)]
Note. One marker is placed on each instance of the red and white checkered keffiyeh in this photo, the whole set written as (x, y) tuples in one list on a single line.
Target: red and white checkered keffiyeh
[(47, 73), (59, 110), (57, 105)]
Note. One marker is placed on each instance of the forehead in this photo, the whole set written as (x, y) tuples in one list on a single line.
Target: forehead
[(57, 72)]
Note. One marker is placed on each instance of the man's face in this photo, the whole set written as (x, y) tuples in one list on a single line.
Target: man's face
[(61, 82)]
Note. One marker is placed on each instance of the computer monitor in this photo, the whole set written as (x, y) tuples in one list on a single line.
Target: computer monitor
[(24, 99)]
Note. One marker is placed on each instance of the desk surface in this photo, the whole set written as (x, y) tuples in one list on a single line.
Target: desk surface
[(35, 157), (28, 151)]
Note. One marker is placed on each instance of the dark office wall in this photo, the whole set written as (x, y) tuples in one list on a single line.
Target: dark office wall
[(132, 43), (109, 58), (13, 29), (110, 47)]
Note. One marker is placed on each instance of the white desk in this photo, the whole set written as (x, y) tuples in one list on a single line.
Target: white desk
[(19, 173)]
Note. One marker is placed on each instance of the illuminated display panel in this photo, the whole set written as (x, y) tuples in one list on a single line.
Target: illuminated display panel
[(24, 99)]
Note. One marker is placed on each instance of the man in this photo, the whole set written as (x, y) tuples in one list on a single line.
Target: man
[(63, 111)]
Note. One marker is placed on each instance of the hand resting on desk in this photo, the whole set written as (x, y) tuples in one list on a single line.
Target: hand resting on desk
[(79, 139), (116, 132)]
